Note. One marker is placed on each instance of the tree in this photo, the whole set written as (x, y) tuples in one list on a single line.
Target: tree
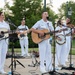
[(64, 10), (31, 10), (1, 9), (25, 8)]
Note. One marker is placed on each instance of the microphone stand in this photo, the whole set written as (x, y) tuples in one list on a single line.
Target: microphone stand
[(13, 61), (12, 71), (53, 72), (11, 23)]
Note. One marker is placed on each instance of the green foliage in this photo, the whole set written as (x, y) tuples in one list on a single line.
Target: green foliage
[(64, 10), (1, 9), (26, 8), (52, 15), (31, 10)]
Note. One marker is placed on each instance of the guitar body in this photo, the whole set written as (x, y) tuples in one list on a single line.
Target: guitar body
[(3, 35), (62, 41), (21, 36), (37, 39)]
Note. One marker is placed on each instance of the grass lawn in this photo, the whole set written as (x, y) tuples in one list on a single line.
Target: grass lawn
[(19, 49), (36, 49)]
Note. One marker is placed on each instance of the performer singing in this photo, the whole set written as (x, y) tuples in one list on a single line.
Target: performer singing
[(23, 38), (44, 46), (3, 43), (60, 48)]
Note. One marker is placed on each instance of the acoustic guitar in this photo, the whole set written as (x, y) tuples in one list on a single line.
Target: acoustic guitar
[(37, 38), (4, 33), (21, 36)]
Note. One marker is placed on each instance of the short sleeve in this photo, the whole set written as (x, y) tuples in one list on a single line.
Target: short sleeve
[(8, 27), (36, 25), (27, 27)]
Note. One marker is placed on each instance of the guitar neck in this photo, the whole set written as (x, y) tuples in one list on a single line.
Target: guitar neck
[(12, 31), (51, 32)]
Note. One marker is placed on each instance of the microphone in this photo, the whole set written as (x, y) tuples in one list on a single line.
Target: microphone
[(55, 23), (11, 23), (9, 20)]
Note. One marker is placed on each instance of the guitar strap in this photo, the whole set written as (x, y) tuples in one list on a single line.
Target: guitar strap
[(69, 33), (22, 35), (50, 40), (64, 34), (25, 27), (48, 26)]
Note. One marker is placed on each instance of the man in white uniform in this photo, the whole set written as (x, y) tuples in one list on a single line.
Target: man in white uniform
[(60, 49), (24, 39), (3, 44), (44, 46)]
